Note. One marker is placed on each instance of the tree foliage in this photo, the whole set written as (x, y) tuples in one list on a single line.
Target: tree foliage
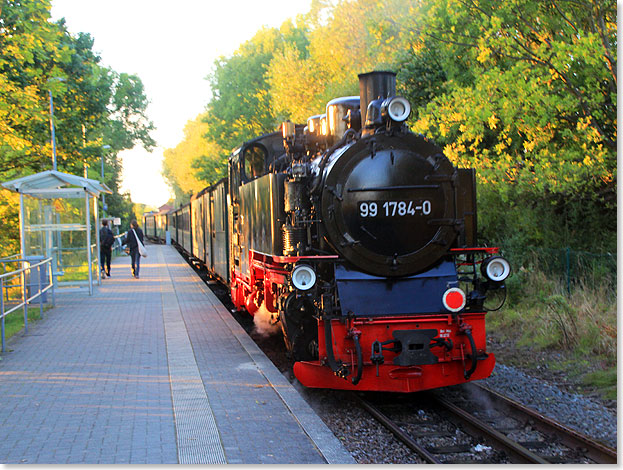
[(531, 103), (179, 160), (94, 106), (239, 110), (344, 40), (523, 91)]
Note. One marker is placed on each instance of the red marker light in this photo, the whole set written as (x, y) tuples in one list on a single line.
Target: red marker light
[(454, 299)]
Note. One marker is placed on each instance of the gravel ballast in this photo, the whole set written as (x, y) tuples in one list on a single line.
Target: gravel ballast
[(575, 411), (369, 442)]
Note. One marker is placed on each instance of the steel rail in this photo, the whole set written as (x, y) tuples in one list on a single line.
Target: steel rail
[(571, 438), (397, 431), (515, 451)]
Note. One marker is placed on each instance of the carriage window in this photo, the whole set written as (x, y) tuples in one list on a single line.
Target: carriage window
[(254, 161)]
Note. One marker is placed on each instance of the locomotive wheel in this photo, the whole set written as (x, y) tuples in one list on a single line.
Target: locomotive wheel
[(300, 327)]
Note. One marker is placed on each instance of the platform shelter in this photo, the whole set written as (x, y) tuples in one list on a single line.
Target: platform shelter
[(59, 218)]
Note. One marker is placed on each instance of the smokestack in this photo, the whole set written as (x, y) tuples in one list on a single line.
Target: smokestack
[(374, 85)]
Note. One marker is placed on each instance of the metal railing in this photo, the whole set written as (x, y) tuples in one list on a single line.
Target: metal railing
[(15, 302), (572, 267), (117, 246)]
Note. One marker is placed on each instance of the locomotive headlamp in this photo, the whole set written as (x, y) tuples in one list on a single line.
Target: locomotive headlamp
[(303, 277), (496, 268), (396, 108)]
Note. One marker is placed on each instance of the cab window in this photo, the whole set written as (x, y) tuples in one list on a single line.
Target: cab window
[(255, 161)]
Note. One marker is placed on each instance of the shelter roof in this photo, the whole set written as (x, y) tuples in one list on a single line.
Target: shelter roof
[(52, 184)]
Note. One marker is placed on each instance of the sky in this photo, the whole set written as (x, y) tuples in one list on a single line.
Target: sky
[(171, 46)]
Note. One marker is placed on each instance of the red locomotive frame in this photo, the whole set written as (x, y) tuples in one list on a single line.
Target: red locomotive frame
[(267, 273)]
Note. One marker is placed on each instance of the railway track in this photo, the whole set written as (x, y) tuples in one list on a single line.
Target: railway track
[(572, 439), (468, 424), (478, 425)]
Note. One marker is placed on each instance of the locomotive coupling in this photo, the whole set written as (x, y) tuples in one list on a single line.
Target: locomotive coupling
[(377, 357)]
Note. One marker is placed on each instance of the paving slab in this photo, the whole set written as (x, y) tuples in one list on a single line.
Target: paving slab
[(152, 371)]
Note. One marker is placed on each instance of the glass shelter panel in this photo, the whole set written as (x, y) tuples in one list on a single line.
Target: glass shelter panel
[(57, 228)]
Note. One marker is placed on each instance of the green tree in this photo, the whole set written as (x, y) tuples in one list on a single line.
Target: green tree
[(178, 161), (531, 103), (345, 39), (94, 106), (241, 105), (523, 91), (239, 110), (29, 50)]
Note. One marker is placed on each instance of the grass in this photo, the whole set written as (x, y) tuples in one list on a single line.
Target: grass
[(577, 331), (75, 273), (14, 321), (605, 380)]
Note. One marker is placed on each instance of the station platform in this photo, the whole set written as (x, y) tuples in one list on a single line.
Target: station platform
[(151, 371)]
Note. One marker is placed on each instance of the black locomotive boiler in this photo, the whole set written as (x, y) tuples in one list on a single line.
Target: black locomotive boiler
[(358, 237)]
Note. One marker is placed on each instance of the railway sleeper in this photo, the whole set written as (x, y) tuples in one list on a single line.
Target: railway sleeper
[(452, 449)]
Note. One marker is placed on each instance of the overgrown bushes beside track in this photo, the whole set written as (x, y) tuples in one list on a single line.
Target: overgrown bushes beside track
[(564, 302), (573, 270)]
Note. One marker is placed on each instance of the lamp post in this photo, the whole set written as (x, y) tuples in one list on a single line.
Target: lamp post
[(52, 131), (60, 79), (104, 147)]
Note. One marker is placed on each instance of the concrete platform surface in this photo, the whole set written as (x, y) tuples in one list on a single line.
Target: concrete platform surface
[(151, 371)]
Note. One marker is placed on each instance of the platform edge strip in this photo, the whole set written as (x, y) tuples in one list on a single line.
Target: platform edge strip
[(198, 438)]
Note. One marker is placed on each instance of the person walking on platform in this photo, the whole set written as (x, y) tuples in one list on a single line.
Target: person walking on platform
[(106, 241), (131, 241)]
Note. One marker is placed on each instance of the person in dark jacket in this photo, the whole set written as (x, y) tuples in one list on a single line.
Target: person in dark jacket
[(132, 244), (106, 241)]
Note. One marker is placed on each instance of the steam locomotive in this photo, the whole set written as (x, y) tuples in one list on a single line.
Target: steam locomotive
[(358, 237)]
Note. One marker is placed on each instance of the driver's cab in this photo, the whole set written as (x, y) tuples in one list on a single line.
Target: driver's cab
[(253, 160), (250, 168)]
